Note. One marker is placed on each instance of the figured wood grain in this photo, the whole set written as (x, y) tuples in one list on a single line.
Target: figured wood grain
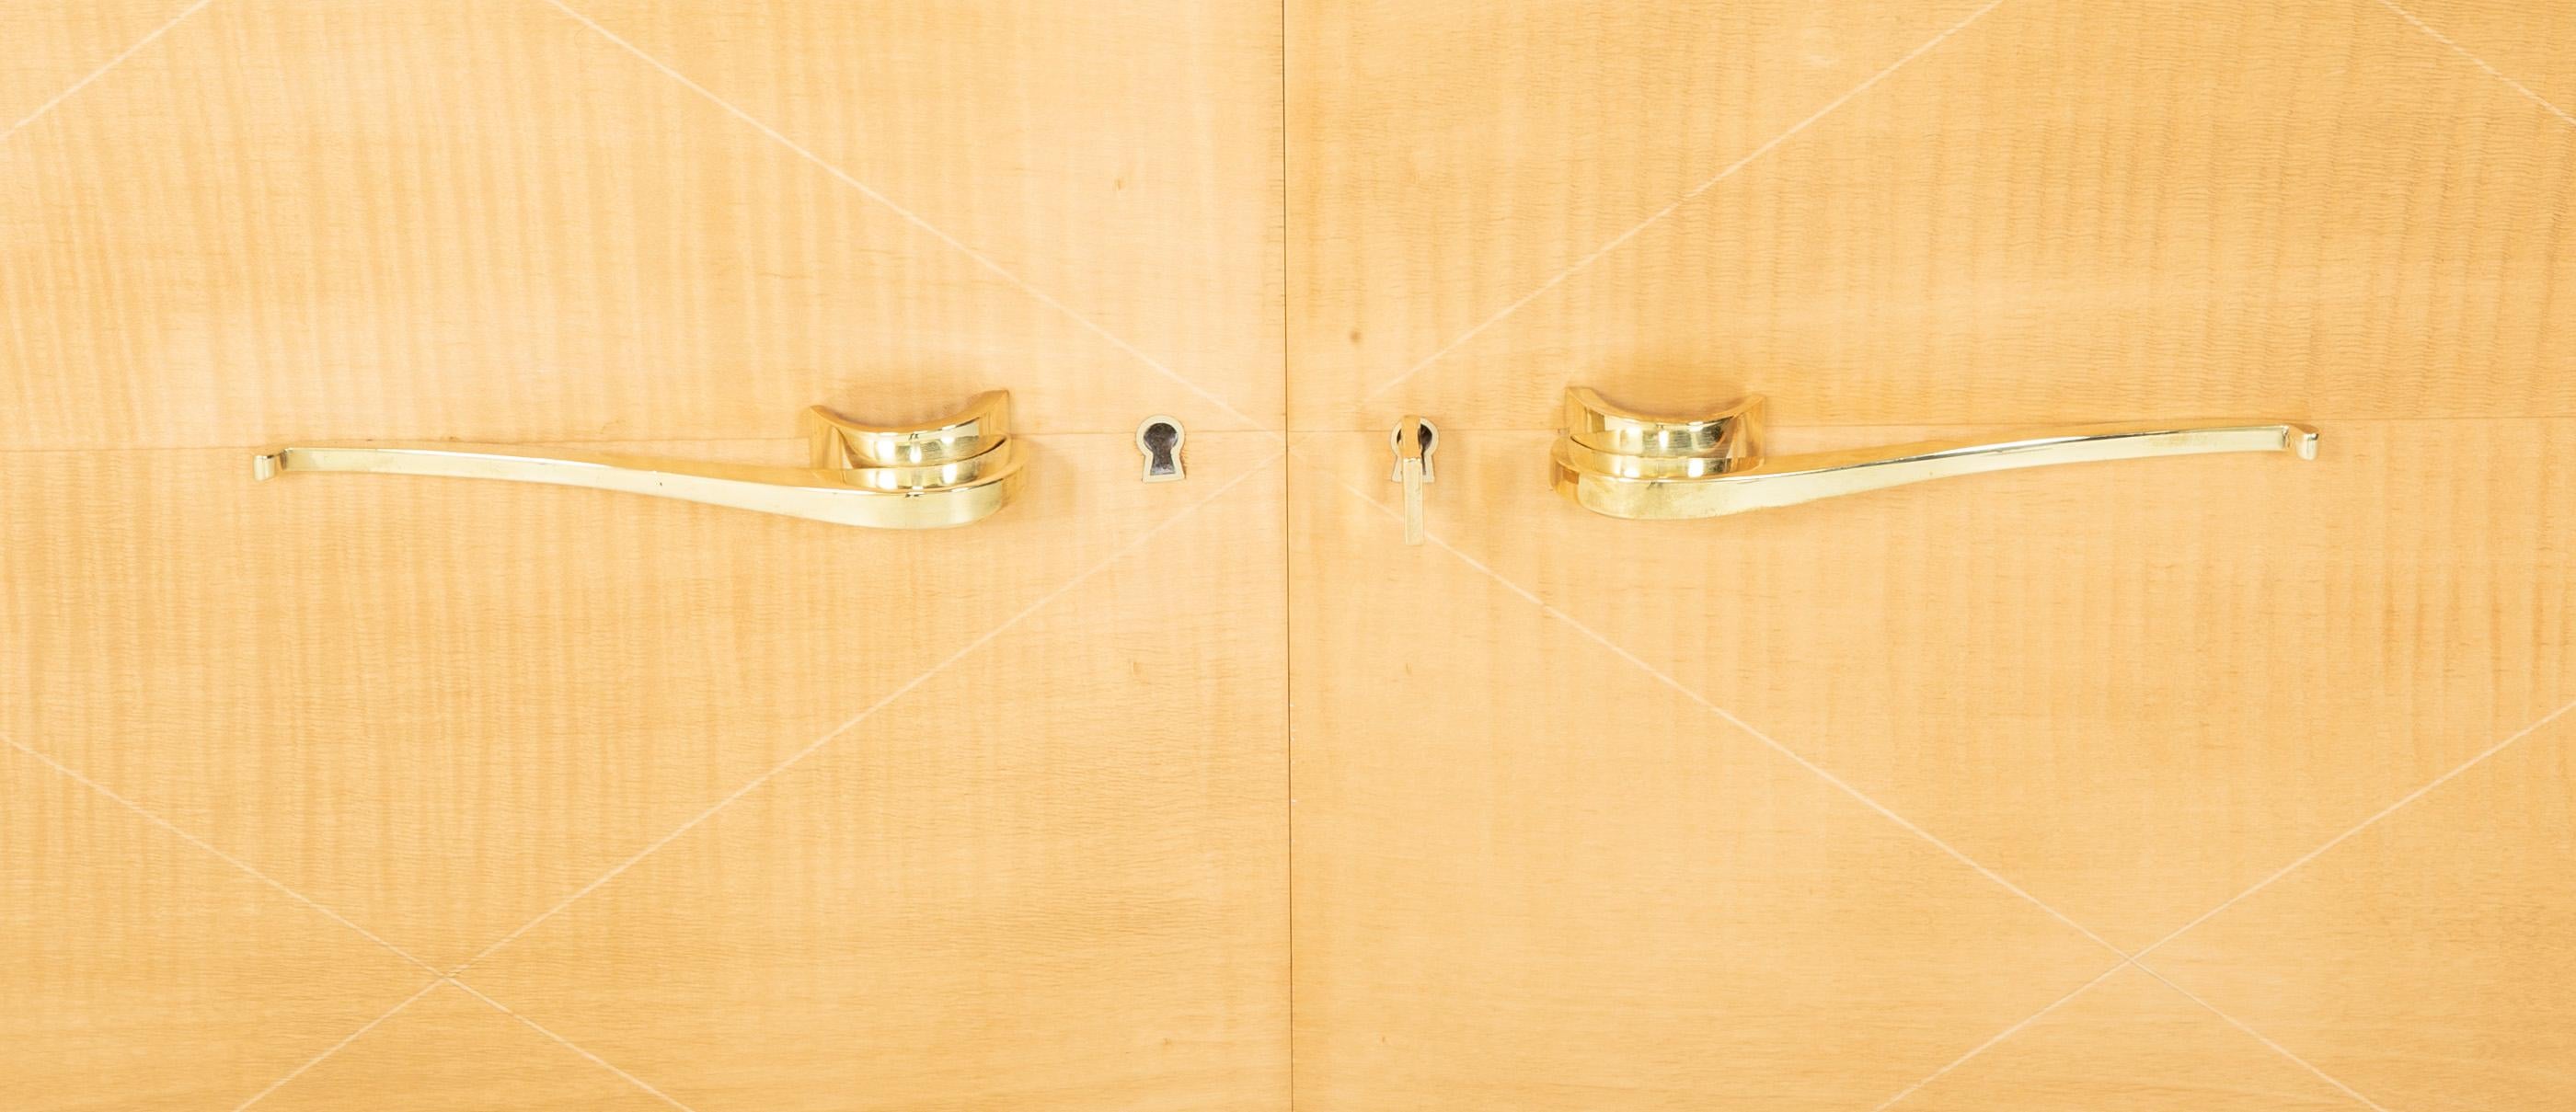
[(1861, 804), (828, 818), (1123, 158), (2131, 1045), (487, 221), (448, 1048), (54, 47), (1048, 878), (442, 709), (2429, 959), (1848, 805), (2526, 45), (1549, 856), (2064, 212), (139, 971)]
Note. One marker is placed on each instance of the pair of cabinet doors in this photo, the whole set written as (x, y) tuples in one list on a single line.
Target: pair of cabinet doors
[(2215, 783)]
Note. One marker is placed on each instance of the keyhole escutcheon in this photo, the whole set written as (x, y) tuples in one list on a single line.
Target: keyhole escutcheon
[(1159, 438)]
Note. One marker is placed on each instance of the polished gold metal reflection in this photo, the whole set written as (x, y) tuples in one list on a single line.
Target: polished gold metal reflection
[(948, 472), (1613, 461), (839, 442)]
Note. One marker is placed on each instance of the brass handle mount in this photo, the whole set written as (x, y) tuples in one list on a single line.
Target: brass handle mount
[(953, 471), (1625, 464)]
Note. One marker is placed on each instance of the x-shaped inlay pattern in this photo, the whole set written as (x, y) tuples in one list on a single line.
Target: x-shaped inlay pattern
[(2124, 959), (453, 976)]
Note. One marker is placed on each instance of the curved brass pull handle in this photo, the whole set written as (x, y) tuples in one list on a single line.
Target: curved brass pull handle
[(950, 472), (1624, 464)]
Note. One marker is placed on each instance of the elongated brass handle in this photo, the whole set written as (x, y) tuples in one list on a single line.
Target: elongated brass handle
[(949, 472), (1624, 464)]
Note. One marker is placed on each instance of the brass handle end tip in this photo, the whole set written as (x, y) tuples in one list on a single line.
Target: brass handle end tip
[(2302, 440), (263, 467)]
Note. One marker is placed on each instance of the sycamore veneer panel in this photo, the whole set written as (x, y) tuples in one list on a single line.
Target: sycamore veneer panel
[(2064, 212), (449, 1050), (2133, 688), (1050, 877), (444, 710), (2429, 961), (140, 972), (1534, 866), (2528, 44), (1529, 875), (483, 220), (1122, 158), (438, 706), (53, 46), (2129, 1044)]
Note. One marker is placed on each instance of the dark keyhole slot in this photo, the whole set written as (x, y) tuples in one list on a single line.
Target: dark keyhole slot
[(1160, 440)]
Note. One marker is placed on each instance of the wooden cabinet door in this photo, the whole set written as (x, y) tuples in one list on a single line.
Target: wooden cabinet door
[(2224, 782), (363, 791)]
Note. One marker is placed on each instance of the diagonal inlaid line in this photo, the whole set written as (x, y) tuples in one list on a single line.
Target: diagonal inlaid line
[(341, 1045), (353, 1036), (2000, 1036), (1657, 217), (2481, 63), (2126, 958), (2266, 1040), (913, 218), (245, 866), (851, 723), (406, 1002), (2364, 824), (1767, 741), (2266, 882), (101, 71), (568, 1044), (450, 976)]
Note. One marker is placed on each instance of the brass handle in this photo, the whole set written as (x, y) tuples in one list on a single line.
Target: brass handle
[(949, 472), (1629, 465)]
